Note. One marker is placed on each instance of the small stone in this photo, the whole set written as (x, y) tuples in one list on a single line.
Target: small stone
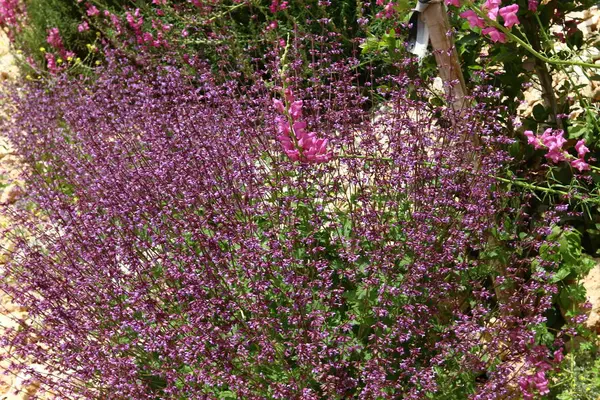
[(591, 283), (7, 305), (11, 194), (596, 94), (13, 320), (6, 249), (5, 147)]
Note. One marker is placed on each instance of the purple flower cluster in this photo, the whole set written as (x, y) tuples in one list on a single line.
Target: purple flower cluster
[(183, 254)]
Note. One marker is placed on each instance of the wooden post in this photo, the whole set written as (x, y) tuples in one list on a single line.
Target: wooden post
[(446, 56)]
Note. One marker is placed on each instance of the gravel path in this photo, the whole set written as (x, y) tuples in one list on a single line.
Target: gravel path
[(12, 387)]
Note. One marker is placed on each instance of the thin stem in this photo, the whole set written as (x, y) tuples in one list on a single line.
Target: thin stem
[(525, 185)]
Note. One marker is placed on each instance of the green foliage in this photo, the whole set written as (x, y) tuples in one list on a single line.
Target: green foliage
[(579, 375), (42, 15), (573, 265)]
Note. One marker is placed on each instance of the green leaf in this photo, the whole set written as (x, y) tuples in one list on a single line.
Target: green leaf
[(561, 274), (576, 131)]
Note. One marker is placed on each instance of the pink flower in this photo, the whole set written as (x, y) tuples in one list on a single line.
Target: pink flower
[(546, 135), (533, 140), (84, 26), (283, 126), (92, 11), (147, 37), (581, 165), (388, 11), (54, 38), (556, 155), (455, 3), (558, 354), (509, 14), (492, 6), (299, 127), (289, 95), (278, 105), (474, 20), (553, 141), (541, 382), (533, 5), (51, 63), (306, 147), (582, 150), (276, 6), (296, 109), (494, 34)]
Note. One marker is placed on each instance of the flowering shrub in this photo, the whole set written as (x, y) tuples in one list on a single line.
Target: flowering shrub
[(186, 254), (248, 227)]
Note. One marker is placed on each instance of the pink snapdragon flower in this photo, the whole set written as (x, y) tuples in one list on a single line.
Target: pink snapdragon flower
[(51, 63), (55, 41), (455, 3), (494, 34), (581, 148), (296, 110), (492, 7), (556, 155), (83, 27), (533, 140), (554, 142), (279, 107), (298, 144), (54, 38), (92, 10), (580, 164), (509, 14), (474, 20), (277, 6), (388, 11)]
